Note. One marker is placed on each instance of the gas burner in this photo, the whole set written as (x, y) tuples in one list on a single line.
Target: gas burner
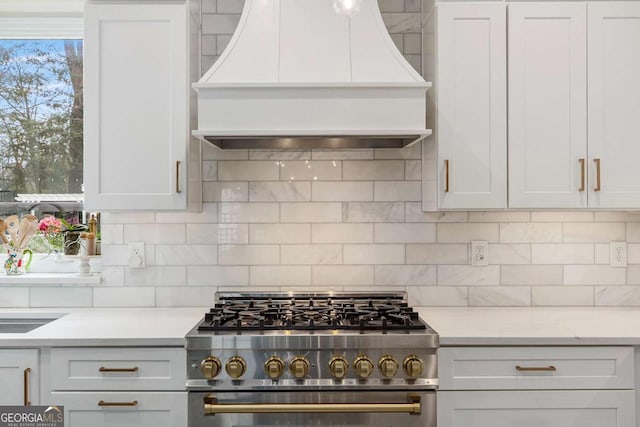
[(363, 313)]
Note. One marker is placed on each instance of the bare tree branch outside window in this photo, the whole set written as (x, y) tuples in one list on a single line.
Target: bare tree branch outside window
[(41, 109)]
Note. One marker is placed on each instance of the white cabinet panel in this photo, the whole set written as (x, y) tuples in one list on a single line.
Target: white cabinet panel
[(517, 368), (14, 382), (614, 103), (118, 368), (547, 105), (136, 106), (536, 408), (126, 409), (471, 103)]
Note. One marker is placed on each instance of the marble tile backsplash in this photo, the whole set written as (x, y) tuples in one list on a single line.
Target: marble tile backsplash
[(350, 220), (347, 220)]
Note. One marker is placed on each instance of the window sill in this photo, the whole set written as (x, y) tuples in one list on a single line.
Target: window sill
[(51, 279)]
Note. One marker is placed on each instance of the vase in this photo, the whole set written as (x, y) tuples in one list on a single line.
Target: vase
[(17, 260), (71, 242)]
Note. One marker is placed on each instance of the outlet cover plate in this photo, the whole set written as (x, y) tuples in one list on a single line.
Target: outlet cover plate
[(479, 253), (136, 255), (618, 254)]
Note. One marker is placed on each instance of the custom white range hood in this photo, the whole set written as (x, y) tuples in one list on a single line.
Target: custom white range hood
[(311, 74)]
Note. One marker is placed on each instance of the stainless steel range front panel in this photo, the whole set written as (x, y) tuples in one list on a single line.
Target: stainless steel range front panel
[(319, 376), (297, 409)]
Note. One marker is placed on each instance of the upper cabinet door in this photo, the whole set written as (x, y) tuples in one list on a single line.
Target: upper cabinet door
[(472, 109), (136, 106), (547, 105), (614, 104)]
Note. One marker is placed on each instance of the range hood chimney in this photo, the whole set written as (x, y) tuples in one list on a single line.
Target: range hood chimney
[(311, 74)]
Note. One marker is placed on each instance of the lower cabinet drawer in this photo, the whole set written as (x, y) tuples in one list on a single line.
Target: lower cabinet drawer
[(535, 368), (536, 408), (118, 368), (116, 409)]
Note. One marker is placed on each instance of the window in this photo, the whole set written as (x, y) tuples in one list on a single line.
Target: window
[(41, 108), (40, 123)]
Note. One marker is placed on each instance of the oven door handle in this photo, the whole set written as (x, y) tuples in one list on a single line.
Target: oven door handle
[(212, 407)]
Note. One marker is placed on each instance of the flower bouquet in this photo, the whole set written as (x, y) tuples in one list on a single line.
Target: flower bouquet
[(49, 238)]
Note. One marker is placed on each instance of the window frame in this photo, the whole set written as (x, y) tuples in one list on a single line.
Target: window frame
[(42, 19)]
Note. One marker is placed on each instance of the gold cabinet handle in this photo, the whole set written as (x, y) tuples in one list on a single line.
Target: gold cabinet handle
[(446, 176), (597, 187), (536, 368), (27, 374), (211, 407), (132, 403), (582, 174), (178, 177), (103, 369)]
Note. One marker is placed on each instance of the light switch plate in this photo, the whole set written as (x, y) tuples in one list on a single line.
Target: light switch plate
[(479, 253), (136, 255)]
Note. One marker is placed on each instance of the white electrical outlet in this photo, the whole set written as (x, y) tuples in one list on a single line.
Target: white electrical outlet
[(479, 253), (618, 254), (136, 255)]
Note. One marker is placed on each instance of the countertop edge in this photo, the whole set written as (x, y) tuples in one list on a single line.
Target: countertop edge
[(91, 342)]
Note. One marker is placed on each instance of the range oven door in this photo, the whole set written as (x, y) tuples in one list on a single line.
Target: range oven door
[(313, 408)]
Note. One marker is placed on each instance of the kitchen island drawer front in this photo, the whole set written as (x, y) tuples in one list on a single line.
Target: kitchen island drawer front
[(112, 409), (521, 368), (118, 368), (584, 408)]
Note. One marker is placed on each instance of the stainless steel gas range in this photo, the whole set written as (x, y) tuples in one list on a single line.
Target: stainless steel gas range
[(312, 360)]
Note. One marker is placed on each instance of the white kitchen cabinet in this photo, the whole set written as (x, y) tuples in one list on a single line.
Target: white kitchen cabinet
[(131, 409), (536, 386), (137, 105), (614, 104), (119, 386), (576, 408), (547, 105), (19, 377), (553, 163), (469, 40), (548, 368), (115, 369)]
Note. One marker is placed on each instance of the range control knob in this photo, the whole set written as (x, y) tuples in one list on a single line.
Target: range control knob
[(274, 367), (363, 366), (388, 366), (210, 367), (338, 367), (235, 367), (299, 367), (413, 366)]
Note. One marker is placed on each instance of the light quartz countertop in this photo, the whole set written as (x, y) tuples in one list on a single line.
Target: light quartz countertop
[(534, 325), (104, 327), (456, 326)]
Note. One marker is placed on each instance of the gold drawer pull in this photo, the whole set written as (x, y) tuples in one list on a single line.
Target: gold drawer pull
[(103, 403), (178, 177), (581, 174), (535, 368), (27, 374), (103, 369), (446, 176), (597, 162)]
